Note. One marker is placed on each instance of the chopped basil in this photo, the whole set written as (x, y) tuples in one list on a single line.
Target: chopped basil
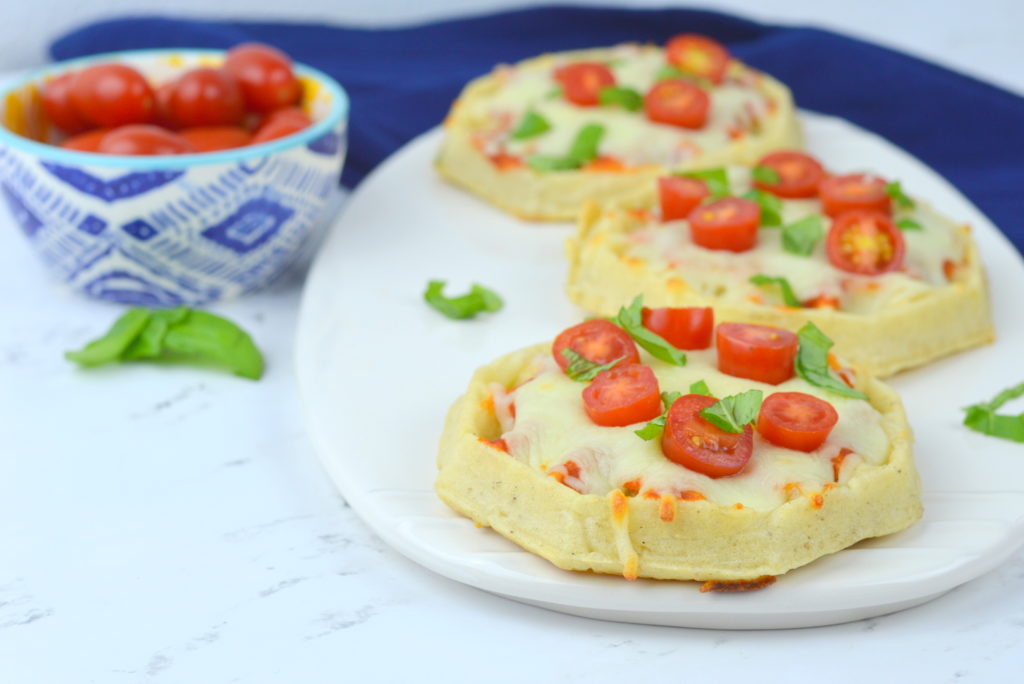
[(179, 334), (541, 162), (477, 300), (656, 426), (766, 175), (732, 414), (583, 149), (627, 98), (717, 181), (583, 370), (668, 71), (896, 192), (554, 93), (801, 236), (908, 224), (630, 319), (533, 124), (984, 419), (788, 296), (811, 362), (700, 387), (771, 206)]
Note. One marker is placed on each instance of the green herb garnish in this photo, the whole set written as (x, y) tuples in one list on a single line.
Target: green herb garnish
[(179, 334), (717, 181), (627, 98), (984, 419), (583, 370), (700, 387), (668, 71), (630, 319), (801, 236), (788, 296), (771, 206), (656, 426), (811, 362), (908, 224), (766, 175), (732, 414), (555, 92), (533, 124), (477, 300), (583, 150), (894, 191)]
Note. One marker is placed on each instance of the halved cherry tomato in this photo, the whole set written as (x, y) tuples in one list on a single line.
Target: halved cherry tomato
[(212, 138), (207, 97), (756, 352), (680, 195), (687, 327), (729, 223), (865, 242), (144, 139), (281, 123), (694, 443), (264, 75), (86, 142), (58, 108), (698, 55), (582, 82), (856, 191), (677, 103), (598, 341), (111, 95), (623, 395), (799, 174), (795, 420)]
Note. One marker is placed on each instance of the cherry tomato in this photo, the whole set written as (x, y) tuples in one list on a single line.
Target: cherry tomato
[(677, 103), (57, 105), (144, 139), (756, 352), (865, 242), (598, 341), (206, 97), (687, 327), (86, 142), (582, 82), (264, 75), (162, 115), (623, 395), (799, 174), (729, 223), (698, 55), (281, 123), (794, 420), (680, 195), (694, 443), (112, 95), (840, 194), (213, 138)]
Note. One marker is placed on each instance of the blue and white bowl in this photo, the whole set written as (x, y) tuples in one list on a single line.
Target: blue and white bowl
[(176, 229)]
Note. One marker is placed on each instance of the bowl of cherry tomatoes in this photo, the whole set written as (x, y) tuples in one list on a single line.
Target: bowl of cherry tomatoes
[(168, 177)]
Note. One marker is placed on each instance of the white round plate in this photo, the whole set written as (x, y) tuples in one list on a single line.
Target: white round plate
[(378, 369)]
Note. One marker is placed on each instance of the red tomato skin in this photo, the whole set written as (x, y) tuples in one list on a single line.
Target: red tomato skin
[(694, 443), (144, 139), (711, 61), (756, 352), (853, 192), (687, 327), (598, 341), (800, 174), (676, 102), (58, 107), (885, 228), (264, 75), (86, 142), (280, 124), (206, 97), (679, 195), (213, 138), (730, 224), (794, 420), (582, 82), (623, 395), (112, 95), (162, 115)]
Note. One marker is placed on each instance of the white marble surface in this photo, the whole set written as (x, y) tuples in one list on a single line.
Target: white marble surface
[(174, 525)]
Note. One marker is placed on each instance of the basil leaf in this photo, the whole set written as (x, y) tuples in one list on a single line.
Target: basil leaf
[(583, 149), (700, 387), (656, 426), (540, 162), (554, 93), (477, 300), (583, 370), (668, 71), (532, 125), (811, 362), (630, 319), (766, 175), (788, 296), (771, 206), (717, 181), (894, 191), (908, 224), (801, 236), (109, 348), (627, 98), (732, 414), (984, 419)]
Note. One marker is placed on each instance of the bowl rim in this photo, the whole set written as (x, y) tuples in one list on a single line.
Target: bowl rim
[(339, 111)]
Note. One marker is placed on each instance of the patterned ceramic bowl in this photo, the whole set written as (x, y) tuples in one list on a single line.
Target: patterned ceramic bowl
[(168, 230)]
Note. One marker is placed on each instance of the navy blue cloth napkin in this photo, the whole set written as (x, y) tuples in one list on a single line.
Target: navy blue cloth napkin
[(402, 80)]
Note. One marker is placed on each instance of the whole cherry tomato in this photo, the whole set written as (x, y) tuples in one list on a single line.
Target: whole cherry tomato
[(111, 95), (144, 139), (598, 341), (623, 395), (582, 82), (213, 138), (206, 97), (694, 443), (58, 108), (86, 142), (265, 76), (281, 123)]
